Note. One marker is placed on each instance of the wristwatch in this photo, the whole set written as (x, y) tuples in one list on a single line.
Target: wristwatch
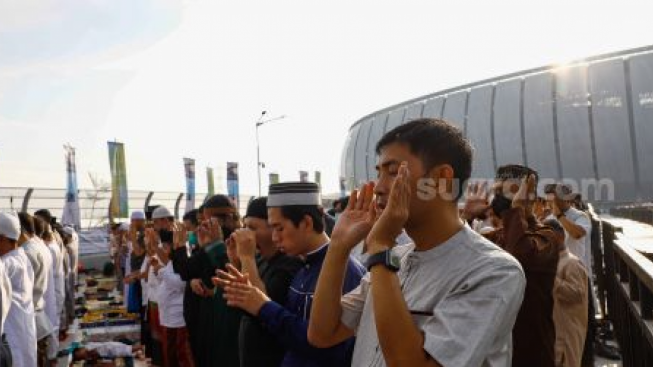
[(385, 258)]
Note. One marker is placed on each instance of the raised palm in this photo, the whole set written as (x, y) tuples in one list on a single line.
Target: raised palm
[(358, 218), (476, 200)]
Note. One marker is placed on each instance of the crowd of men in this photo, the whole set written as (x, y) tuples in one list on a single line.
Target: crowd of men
[(406, 271)]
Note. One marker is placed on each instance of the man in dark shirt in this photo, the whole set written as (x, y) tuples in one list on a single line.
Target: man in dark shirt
[(271, 271), (535, 246)]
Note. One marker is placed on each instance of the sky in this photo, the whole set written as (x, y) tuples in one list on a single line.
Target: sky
[(189, 78)]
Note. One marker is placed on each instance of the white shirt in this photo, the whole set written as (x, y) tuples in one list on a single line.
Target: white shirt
[(153, 283), (20, 326), (59, 280), (110, 349), (579, 246), (5, 296), (144, 281), (39, 257), (171, 298), (49, 296), (463, 294)]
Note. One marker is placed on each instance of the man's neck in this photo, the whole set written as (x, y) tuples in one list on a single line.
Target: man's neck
[(435, 229), (315, 242)]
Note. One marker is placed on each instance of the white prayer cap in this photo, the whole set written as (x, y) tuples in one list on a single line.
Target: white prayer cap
[(161, 212), (294, 193), (9, 226), (138, 214), (124, 227), (69, 230)]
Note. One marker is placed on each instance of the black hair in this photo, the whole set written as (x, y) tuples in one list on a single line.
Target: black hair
[(219, 201), (26, 223), (335, 203), (515, 171), (344, 201), (258, 208), (39, 227), (296, 213), (560, 190), (434, 142), (191, 216), (166, 236), (45, 215)]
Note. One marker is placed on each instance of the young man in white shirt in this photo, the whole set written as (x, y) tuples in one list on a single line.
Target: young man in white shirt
[(7, 228), (20, 326)]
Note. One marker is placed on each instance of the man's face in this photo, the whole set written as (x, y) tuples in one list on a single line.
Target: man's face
[(138, 224), (162, 223), (387, 169), (288, 238), (227, 218), (507, 188), (5, 245), (189, 226), (263, 233)]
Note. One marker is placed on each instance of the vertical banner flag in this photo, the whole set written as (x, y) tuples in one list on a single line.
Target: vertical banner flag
[(189, 169), (210, 182), (232, 182), (274, 178), (303, 176), (70, 215), (318, 179), (119, 199), (343, 189)]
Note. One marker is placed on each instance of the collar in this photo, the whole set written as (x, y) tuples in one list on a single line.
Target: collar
[(463, 236), (218, 245), (316, 255)]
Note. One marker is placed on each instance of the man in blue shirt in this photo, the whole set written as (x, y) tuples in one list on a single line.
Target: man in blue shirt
[(296, 216)]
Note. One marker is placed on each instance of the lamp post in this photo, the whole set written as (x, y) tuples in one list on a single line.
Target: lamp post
[(259, 123)]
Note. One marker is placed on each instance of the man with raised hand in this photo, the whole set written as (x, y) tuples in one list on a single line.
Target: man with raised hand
[(449, 299)]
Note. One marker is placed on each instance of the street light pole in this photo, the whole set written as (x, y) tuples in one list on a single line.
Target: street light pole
[(258, 148)]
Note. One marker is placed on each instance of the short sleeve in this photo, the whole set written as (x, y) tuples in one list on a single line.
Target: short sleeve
[(584, 221), (472, 319), (353, 303)]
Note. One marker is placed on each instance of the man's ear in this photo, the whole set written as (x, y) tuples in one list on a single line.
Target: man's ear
[(443, 177), (306, 223)]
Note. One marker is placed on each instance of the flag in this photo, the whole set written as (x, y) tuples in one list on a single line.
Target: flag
[(210, 182), (189, 169), (318, 178), (70, 215), (303, 176), (274, 178), (119, 200), (232, 182)]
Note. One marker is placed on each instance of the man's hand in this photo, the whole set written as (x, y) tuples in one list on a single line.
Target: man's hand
[(246, 297), (151, 240), (525, 195), (356, 221), (245, 242), (391, 221), (199, 289), (232, 275), (476, 200), (179, 235), (209, 232)]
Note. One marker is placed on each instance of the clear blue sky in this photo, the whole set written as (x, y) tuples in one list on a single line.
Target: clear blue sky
[(176, 79)]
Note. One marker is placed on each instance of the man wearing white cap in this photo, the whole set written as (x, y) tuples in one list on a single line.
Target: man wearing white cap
[(20, 326)]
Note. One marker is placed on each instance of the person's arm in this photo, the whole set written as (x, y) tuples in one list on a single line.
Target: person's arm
[(528, 249), (571, 285), (352, 227), (245, 242), (576, 231)]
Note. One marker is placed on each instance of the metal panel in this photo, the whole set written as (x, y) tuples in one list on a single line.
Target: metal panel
[(612, 128), (641, 79), (454, 109), (538, 126), (574, 131), (433, 108), (414, 111), (360, 157), (349, 156), (376, 133), (479, 131), (507, 124), (395, 118)]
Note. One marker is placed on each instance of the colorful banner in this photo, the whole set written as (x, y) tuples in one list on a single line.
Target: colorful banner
[(210, 183), (70, 215), (303, 176), (274, 178), (189, 169), (343, 187), (119, 200), (232, 182), (318, 178)]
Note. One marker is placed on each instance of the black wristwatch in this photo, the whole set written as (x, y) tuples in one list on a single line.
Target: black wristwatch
[(385, 258)]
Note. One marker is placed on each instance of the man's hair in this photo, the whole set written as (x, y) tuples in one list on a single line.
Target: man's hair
[(344, 201), (45, 215), (515, 172), (434, 142), (39, 227), (560, 190), (26, 223), (296, 213), (191, 216), (219, 201)]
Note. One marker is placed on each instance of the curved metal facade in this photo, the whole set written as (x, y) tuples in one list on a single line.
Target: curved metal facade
[(589, 119)]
